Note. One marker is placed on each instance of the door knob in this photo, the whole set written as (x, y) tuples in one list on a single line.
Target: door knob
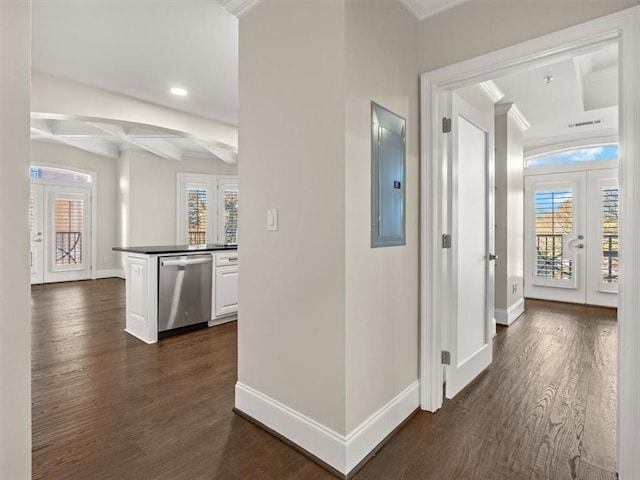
[(580, 245), (493, 257), (38, 240)]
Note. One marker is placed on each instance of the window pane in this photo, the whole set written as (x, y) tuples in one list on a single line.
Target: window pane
[(51, 173), (69, 223), (610, 235), (554, 219), (580, 155), (231, 216), (196, 216)]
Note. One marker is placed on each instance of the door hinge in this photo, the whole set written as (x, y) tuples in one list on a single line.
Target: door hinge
[(446, 125), (446, 240), (446, 358)]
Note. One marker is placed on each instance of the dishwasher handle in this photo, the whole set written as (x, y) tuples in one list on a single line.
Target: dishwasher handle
[(185, 262)]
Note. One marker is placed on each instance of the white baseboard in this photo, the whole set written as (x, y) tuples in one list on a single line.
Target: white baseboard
[(338, 451), (109, 274), (507, 317)]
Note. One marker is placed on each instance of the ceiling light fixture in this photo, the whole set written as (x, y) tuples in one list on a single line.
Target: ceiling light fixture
[(179, 91), (548, 79)]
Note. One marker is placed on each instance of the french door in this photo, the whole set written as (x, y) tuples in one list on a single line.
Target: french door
[(60, 227), (571, 237)]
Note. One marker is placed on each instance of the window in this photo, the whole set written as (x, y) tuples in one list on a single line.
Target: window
[(52, 173), (207, 209), (610, 235), (574, 156)]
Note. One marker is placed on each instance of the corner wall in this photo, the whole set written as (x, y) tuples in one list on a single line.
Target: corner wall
[(15, 318), (509, 219), (291, 328), (381, 283)]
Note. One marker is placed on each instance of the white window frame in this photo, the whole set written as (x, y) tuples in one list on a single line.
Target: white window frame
[(211, 184)]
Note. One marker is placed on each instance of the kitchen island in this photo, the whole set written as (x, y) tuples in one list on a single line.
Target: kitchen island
[(171, 288)]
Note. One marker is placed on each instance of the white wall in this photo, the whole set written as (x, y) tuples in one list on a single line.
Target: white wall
[(147, 198), (509, 213), (291, 329), (106, 194), (381, 283), (15, 318), (482, 26)]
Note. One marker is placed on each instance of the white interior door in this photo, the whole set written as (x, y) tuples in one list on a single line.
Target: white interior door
[(471, 269), (571, 237), (60, 223), (36, 231)]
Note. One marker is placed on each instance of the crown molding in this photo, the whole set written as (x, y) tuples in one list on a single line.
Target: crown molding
[(423, 11), (514, 113), (491, 90), (238, 8)]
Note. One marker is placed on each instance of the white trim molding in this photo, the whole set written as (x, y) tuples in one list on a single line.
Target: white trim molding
[(515, 114), (508, 316), (492, 91), (621, 28), (341, 452), (557, 144), (109, 274), (421, 10), (238, 8)]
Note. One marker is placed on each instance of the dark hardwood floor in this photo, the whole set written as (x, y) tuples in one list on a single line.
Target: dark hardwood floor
[(106, 406)]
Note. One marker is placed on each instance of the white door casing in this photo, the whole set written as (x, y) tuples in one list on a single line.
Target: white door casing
[(470, 200), (36, 230)]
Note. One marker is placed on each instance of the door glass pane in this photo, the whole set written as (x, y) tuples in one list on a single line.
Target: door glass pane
[(196, 216), (69, 228), (554, 219), (230, 216), (610, 235)]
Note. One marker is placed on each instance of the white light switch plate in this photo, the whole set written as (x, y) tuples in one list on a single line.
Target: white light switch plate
[(272, 220)]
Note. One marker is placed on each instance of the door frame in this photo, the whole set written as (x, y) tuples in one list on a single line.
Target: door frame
[(622, 28), (93, 187)]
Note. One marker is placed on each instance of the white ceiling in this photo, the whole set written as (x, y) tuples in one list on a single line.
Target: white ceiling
[(583, 89), (141, 48)]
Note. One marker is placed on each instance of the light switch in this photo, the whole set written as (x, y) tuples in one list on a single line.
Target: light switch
[(272, 220)]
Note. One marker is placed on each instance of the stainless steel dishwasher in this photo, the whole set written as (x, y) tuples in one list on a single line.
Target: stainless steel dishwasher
[(184, 291)]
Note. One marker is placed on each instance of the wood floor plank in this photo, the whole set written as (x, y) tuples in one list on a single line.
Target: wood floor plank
[(106, 406)]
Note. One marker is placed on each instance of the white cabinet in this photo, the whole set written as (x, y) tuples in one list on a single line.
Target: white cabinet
[(225, 289)]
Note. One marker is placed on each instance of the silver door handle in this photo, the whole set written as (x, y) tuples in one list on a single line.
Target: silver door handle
[(37, 240), (580, 245), (492, 257), (185, 263)]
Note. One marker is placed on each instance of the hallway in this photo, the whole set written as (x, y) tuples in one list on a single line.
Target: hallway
[(106, 406)]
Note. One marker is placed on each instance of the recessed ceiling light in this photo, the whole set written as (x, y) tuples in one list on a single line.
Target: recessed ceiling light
[(179, 91), (548, 79)]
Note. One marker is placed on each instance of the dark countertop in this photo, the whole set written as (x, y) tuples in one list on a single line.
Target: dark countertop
[(159, 249)]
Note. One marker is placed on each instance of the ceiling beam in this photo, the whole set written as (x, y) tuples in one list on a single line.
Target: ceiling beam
[(225, 154), (97, 146), (157, 146)]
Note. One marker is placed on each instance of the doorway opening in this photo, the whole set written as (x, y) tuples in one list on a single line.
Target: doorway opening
[(618, 29)]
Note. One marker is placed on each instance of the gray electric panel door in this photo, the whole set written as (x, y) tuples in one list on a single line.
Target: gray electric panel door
[(387, 178)]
